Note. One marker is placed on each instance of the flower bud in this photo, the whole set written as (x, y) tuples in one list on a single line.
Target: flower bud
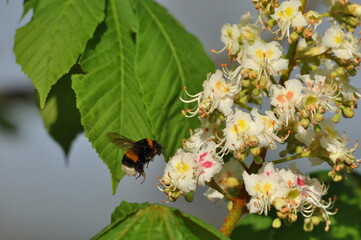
[(336, 177), (334, 74), (321, 109), (242, 156), (189, 196), (352, 72), (299, 149), (170, 199), (271, 23), (245, 73), (340, 71), (318, 117), (281, 215), (317, 128), (244, 100), (276, 223), (307, 226), (242, 93), (305, 113), (315, 220), (352, 21), (255, 151), (294, 36), (336, 118), (349, 103), (258, 159), (354, 9), (293, 194), (253, 142), (253, 75), (310, 41), (293, 217), (279, 203), (256, 92), (349, 67), (230, 182), (348, 112), (245, 83), (263, 83), (305, 123), (265, 2), (313, 17), (283, 153), (166, 181)]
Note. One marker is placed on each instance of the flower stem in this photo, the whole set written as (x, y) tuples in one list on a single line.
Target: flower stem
[(242, 105), (326, 14), (296, 156), (240, 202), (215, 186), (291, 64), (238, 209)]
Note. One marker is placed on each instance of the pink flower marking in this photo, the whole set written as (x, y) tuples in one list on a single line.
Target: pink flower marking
[(280, 98), (289, 95), (207, 164), (202, 156), (300, 182)]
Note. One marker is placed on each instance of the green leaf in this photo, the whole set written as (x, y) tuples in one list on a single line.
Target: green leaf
[(108, 96), (28, 5), (49, 45), (125, 209), (60, 115), (145, 221), (136, 65), (345, 224), (168, 58)]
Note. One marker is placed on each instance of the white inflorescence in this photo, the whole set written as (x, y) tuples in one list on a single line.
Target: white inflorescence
[(234, 126)]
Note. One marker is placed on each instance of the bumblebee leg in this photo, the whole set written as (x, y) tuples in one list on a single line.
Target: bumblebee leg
[(144, 176), (138, 176), (140, 170)]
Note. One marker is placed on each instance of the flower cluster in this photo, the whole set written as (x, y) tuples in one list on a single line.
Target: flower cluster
[(329, 145), (227, 150), (289, 192), (186, 170)]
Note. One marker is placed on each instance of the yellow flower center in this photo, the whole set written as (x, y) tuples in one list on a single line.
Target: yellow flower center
[(311, 101), (338, 39), (220, 87), (240, 127), (182, 168), (268, 123), (268, 54), (265, 189), (331, 132), (259, 54), (287, 13)]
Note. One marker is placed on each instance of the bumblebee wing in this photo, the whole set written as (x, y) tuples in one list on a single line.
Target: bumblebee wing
[(120, 141)]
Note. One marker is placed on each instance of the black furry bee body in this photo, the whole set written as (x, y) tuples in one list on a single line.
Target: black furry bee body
[(137, 153)]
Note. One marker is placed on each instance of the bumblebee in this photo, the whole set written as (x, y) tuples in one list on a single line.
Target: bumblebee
[(137, 153)]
